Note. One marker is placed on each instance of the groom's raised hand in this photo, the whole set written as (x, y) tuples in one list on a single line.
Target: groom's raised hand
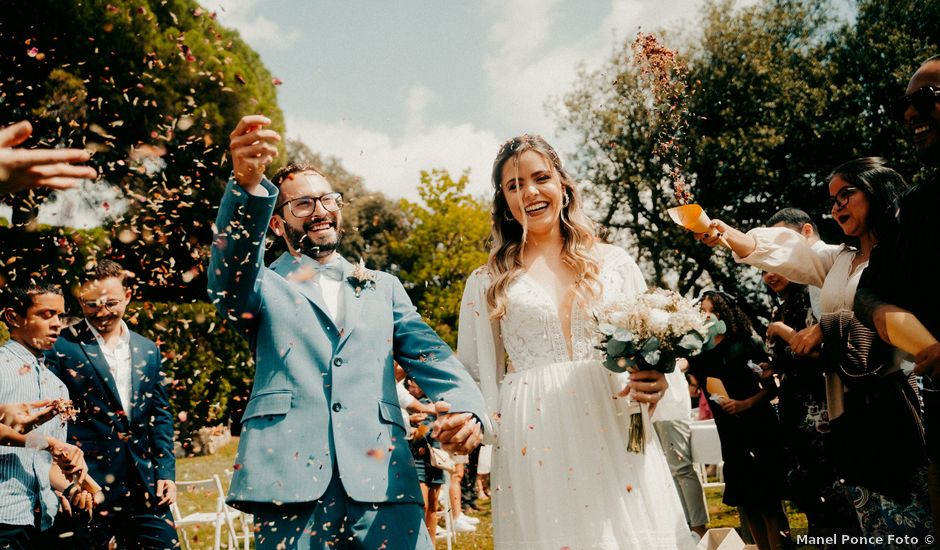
[(253, 147), (459, 433)]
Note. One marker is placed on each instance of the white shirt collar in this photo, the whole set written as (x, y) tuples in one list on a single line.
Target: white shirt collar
[(124, 338)]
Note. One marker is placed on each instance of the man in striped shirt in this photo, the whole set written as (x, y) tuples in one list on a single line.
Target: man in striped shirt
[(29, 475)]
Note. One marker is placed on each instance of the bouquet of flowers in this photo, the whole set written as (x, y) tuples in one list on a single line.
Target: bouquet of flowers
[(649, 332)]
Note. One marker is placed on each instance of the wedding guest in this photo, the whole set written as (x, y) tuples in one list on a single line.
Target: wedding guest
[(561, 474), (430, 478), (30, 477), (902, 274), (325, 335), (747, 425), (116, 379), (811, 479), (888, 481), (799, 221), (22, 169), (673, 426)]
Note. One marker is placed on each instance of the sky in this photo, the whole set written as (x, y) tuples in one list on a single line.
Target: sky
[(393, 88)]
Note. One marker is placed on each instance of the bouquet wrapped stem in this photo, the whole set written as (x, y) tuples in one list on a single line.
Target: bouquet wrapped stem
[(636, 443)]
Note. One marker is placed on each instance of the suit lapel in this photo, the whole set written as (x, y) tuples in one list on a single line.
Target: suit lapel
[(95, 356), (299, 271), (352, 304), (139, 362)]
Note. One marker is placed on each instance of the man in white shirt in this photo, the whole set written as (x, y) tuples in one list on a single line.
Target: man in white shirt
[(125, 428), (799, 221)]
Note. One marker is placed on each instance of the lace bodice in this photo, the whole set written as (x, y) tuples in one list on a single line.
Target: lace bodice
[(530, 333)]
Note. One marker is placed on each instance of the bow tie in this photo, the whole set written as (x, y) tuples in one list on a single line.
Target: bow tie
[(333, 269)]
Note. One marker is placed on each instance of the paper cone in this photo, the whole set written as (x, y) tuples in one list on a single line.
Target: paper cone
[(92, 487), (714, 386), (693, 218), (907, 333)]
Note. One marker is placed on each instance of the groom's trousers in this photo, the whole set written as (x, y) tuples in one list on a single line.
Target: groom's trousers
[(335, 521)]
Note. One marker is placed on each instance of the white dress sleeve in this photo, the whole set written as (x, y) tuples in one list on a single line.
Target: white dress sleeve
[(784, 251), (480, 346), (622, 266)]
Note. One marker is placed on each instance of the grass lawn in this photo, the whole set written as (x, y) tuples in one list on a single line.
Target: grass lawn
[(204, 467)]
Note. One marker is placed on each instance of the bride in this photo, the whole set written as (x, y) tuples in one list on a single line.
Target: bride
[(561, 474)]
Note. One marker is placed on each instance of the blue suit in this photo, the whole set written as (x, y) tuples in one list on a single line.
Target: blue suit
[(125, 453), (323, 400)]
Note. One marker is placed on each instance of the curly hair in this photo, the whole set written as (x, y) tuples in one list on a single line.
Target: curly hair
[(508, 237), (726, 308)]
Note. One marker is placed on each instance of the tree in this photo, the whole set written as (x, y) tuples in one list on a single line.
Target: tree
[(444, 242), (780, 93), (153, 87)]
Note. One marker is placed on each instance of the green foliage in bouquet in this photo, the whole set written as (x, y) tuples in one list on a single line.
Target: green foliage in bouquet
[(623, 351)]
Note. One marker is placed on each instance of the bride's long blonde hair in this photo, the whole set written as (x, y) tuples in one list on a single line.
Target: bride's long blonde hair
[(507, 238)]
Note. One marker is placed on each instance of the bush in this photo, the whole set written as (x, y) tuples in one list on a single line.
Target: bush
[(208, 365)]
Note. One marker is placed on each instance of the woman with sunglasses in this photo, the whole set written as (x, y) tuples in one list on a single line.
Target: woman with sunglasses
[(888, 484)]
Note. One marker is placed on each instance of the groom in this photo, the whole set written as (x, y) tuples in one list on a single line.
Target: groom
[(323, 460)]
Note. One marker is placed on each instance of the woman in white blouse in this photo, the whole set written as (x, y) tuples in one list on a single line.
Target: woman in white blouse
[(561, 476), (863, 196)]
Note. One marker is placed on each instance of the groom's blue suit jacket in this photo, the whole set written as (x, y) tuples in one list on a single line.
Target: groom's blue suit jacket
[(323, 393)]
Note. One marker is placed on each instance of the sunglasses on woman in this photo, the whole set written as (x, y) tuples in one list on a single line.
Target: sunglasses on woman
[(923, 100)]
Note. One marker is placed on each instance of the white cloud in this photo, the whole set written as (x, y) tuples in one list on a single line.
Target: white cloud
[(392, 165), (257, 30), (419, 96), (526, 66), (83, 207)]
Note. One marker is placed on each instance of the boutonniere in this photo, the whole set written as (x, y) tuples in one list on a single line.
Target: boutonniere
[(361, 278)]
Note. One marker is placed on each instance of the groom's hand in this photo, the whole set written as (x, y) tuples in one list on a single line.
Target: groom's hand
[(459, 433), (253, 148)]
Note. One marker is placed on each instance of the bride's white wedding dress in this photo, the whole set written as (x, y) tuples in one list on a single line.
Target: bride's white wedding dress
[(561, 475)]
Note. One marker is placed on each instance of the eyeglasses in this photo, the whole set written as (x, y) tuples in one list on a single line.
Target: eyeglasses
[(923, 100), (841, 198), (305, 206), (95, 305)]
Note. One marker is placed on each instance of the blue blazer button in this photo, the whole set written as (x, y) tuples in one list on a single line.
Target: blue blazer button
[(337, 407), (338, 362)]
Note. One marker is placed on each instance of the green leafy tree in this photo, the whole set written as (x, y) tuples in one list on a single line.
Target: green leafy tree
[(444, 241), (153, 87), (779, 92), (208, 365)]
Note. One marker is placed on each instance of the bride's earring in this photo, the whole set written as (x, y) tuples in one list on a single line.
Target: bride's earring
[(507, 215), (566, 201)]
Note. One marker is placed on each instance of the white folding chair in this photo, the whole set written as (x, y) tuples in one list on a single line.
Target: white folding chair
[(444, 498), (202, 503), (706, 449), (244, 520)]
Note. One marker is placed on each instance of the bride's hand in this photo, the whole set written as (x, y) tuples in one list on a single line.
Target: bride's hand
[(646, 386), (458, 433)]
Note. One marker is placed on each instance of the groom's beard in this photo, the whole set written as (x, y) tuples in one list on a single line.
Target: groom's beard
[(301, 241)]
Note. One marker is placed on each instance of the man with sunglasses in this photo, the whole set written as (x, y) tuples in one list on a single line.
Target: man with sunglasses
[(124, 426), (322, 460), (902, 275)]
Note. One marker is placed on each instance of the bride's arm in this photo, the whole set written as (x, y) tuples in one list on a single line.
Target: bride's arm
[(480, 347)]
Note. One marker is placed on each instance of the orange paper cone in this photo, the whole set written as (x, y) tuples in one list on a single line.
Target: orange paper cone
[(693, 218), (907, 333)]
